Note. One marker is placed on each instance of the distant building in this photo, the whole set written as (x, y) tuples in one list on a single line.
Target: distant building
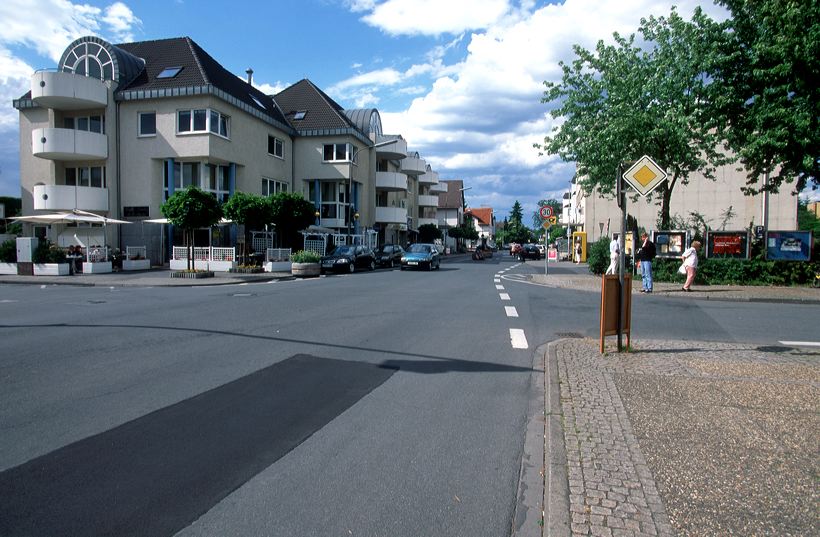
[(451, 209), (484, 222)]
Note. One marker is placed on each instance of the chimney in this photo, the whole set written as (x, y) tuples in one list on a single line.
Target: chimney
[(249, 72)]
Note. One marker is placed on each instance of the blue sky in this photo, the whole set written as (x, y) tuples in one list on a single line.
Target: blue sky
[(461, 80)]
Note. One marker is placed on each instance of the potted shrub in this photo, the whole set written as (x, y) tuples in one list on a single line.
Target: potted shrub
[(49, 260), (305, 263), (8, 257)]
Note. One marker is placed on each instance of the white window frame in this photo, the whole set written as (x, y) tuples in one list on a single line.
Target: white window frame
[(85, 180), (222, 120), (277, 144), (273, 186), (346, 158), (141, 134)]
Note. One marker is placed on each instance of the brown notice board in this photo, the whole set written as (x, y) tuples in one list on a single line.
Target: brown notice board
[(610, 288)]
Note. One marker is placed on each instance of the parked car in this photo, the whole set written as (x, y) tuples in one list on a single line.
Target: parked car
[(542, 249), (346, 258), (529, 251), (421, 256), (388, 255)]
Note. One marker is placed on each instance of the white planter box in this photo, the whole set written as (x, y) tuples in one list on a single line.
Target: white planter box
[(8, 268), (97, 267), (221, 266), (136, 264), (274, 266), (51, 269), (182, 264)]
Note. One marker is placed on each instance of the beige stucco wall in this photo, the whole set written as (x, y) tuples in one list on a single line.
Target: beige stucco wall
[(704, 196)]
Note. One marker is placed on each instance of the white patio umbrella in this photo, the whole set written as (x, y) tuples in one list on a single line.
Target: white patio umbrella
[(70, 217)]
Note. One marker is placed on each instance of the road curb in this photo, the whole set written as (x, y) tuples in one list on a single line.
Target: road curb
[(556, 489)]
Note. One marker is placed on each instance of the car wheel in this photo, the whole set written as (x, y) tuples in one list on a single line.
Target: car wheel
[(372, 265), (351, 268), (391, 264)]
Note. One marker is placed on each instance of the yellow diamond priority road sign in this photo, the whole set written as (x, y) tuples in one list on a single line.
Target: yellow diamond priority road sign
[(644, 176)]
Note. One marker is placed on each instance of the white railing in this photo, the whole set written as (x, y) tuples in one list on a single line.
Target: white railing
[(97, 254), (261, 240), (277, 254), (205, 253), (315, 245), (222, 254), (136, 252)]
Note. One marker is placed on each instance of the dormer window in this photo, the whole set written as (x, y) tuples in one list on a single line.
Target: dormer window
[(257, 101), (300, 114), (169, 72)]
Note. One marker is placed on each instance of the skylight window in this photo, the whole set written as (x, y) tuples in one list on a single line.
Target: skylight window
[(169, 72), (257, 101), (300, 114)]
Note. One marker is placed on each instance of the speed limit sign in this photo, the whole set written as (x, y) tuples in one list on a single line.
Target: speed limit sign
[(545, 211)]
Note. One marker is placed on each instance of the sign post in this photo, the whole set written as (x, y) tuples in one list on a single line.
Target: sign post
[(548, 220)]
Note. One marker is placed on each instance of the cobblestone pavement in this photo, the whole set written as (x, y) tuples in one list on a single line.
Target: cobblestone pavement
[(686, 438)]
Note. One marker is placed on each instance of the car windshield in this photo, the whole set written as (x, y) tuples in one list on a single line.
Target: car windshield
[(384, 250), (419, 249), (342, 250)]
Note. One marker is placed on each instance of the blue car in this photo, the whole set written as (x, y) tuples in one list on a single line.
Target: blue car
[(421, 256)]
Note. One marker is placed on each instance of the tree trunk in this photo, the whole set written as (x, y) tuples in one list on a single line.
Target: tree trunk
[(665, 202)]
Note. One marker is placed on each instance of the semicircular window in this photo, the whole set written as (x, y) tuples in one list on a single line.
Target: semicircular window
[(89, 59)]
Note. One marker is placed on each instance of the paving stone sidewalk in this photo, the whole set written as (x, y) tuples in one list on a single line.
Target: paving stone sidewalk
[(684, 438)]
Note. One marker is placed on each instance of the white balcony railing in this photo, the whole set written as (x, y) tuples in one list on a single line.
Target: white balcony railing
[(68, 144), (413, 166), (67, 91), (391, 215), (429, 178), (63, 197), (428, 201), (392, 181), (438, 188), (396, 150)]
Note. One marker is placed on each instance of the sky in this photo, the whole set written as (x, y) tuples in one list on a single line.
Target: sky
[(460, 80)]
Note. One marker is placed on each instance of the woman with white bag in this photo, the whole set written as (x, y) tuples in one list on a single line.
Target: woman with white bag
[(690, 264)]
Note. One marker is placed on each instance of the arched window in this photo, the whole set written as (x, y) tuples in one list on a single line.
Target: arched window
[(89, 59), (375, 123)]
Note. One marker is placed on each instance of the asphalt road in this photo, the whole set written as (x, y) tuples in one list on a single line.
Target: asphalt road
[(385, 403)]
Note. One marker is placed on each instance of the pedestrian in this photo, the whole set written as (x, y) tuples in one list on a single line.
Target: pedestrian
[(614, 251), (646, 253), (578, 250), (690, 263)]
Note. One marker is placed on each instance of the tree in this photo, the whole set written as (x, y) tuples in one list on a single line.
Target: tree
[(252, 211), (515, 230), (556, 205), (291, 214), (192, 209), (429, 233), (765, 96), (621, 102)]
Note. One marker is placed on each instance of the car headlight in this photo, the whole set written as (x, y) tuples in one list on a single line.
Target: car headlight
[(403, 259), (343, 260)]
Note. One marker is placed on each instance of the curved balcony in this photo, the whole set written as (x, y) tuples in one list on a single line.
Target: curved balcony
[(391, 181), (429, 178), (438, 188), (68, 144), (428, 201), (391, 215), (66, 197), (413, 166), (395, 150), (67, 91)]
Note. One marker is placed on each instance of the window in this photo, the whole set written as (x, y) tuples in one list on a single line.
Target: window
[(85, 123), (169, 72), (203, 120), (218, 182), (272, 186), (257, 101), (91, 176), (276, 147), (333, 199), (91, 60), (147, 124), (185, 174), (337, 152), (300, 114)]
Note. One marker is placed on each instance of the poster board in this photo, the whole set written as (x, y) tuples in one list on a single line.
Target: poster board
[(629, 241), (727, 245), (670, 243), (789, 245), (610, 290)]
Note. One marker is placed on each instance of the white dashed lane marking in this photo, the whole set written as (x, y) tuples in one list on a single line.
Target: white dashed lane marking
[(511, 311), (499, 287), (504, 296), (518, 339), (801, 343)]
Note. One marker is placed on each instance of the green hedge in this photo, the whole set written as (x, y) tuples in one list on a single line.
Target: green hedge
[(739, 272)]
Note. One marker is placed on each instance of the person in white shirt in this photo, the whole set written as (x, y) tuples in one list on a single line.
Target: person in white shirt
[(614, 250), (690, 262)]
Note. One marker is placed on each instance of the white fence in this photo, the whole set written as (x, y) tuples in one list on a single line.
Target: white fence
[(205, 258), (277, 254), (97, 254), (135, 252), (315, 245)]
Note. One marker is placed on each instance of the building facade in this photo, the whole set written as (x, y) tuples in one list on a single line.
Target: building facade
[(117, 129)]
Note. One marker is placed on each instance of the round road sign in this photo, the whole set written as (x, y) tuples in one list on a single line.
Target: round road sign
[(545, 211)]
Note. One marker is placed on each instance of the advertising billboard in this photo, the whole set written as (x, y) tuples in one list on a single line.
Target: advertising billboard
[(669, 243), (727, 244), (788, 245)]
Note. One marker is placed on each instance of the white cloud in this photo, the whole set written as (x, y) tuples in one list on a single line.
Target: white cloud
[(270, 89), (431, 17), (15, 79), (121, 21)]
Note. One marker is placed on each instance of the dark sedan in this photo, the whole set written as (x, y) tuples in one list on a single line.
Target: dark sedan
[(389, 255), (345, 258), (529, 251)]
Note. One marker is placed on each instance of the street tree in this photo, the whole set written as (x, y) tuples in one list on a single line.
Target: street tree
[(192, 209), (251, 211), (764, 93), (622, 101), (291, 214), (429, 233)]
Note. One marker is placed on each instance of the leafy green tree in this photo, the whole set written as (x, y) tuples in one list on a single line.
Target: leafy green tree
[(291, 214), (13, 206), (252, 211), (192, 209), (623, 101), (429, 233), (765, 94)]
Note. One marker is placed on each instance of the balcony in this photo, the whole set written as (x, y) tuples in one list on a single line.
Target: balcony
[(413, 166), (429, 178), (396, 150), (391, 215), (426, 221), (65, 197), (68, 144), (391, 181), (428, 201), (438, 188), (67, 91)]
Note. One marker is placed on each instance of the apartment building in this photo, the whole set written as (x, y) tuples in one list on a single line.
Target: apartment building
[(117, 129)]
